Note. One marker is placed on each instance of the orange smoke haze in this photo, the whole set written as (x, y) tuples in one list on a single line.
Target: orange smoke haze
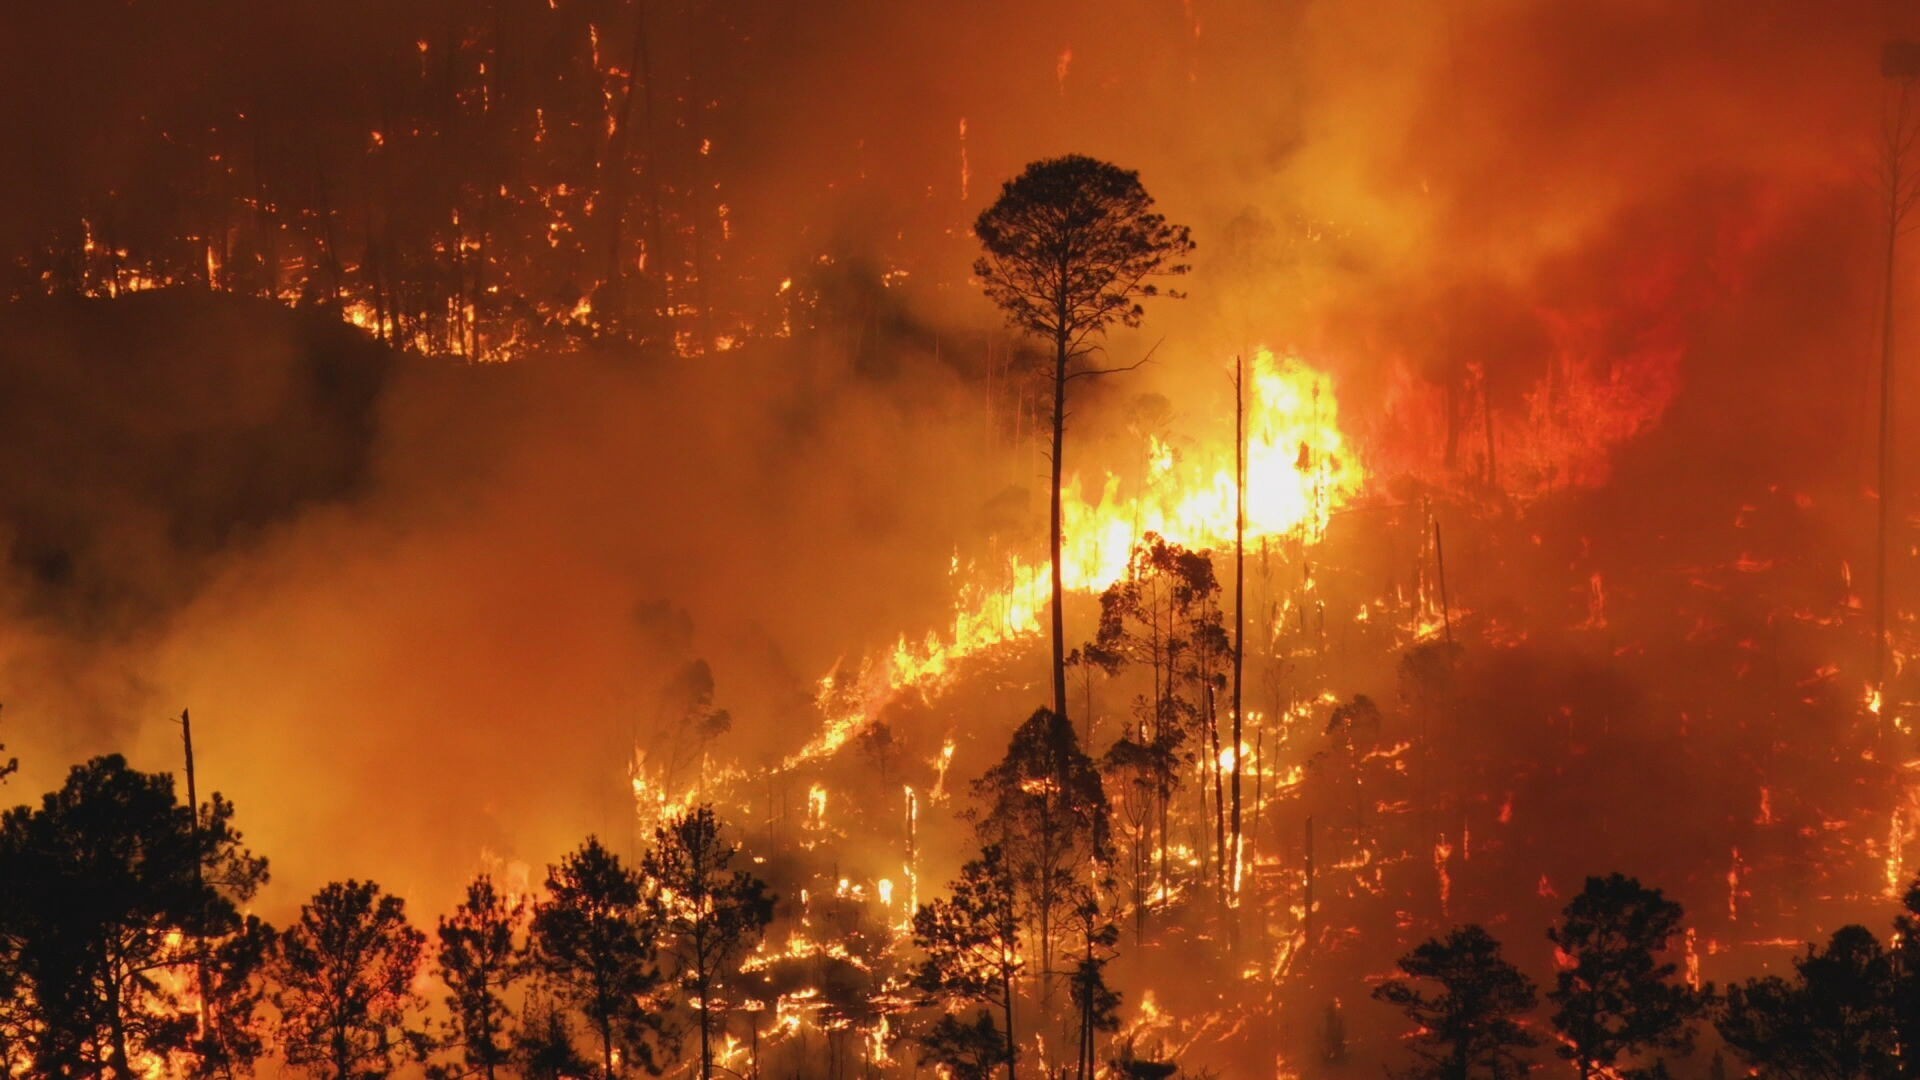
[(1594, 284)]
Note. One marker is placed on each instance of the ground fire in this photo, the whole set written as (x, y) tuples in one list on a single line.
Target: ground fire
[(1179, 538)]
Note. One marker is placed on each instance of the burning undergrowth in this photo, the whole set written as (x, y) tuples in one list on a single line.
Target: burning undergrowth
[(1559, 481)]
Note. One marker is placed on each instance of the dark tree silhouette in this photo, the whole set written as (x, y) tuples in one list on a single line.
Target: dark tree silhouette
[(1136, 1063), (1046, 811), (345, 976), (109, 893), (972, 944), (478, 961), (1471, 1027), (1905, 955), (710, 915), (967, 1050), (1835, 1021), (232, 1034), (1096, 1005), (1620, 1000), (594, 939), (1070, 248), (542, 1046), (1138, 774), (18, 1010)]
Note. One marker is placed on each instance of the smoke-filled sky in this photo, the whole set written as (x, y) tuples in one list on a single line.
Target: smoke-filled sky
[(423, 611)]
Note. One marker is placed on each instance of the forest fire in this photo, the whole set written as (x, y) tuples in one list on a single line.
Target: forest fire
[(1180, 540), (1299, 473)]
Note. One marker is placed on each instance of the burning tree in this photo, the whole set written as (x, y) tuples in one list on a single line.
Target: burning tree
[(972, 944), (114, 895), (1472, 1025), (710, 915), (594, 939), (478, 961), (1071, 247), (345, 972), (1619, 999)]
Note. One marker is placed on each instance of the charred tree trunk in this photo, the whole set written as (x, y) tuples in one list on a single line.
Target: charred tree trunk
[(1013, 1046), (1059, 437), (342, 1051), (606, 1047), (1239, 601), (201, 978), (1220, 856), (706, 1032), (1885, 458), (116, 1016)]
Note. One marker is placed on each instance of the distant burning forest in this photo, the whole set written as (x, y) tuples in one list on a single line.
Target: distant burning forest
[(1169, 538)]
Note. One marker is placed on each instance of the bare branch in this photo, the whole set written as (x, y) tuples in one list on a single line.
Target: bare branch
[(1084, 372)]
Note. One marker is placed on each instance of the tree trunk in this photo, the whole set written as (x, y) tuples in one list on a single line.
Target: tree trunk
[(1046, 948), (1006, 985), (1084, 1067), (706, 1034), (486, 1020), (342, 1054), (1886, 443), (1166, 796), (117, 1020), (1219, 797), (1059, 612), (1239, 603)]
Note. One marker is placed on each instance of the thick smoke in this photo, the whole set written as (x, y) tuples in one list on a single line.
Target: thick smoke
[(1597, 283), (458, 650)]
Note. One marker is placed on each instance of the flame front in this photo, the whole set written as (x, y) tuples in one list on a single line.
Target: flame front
[(1298, 473)]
